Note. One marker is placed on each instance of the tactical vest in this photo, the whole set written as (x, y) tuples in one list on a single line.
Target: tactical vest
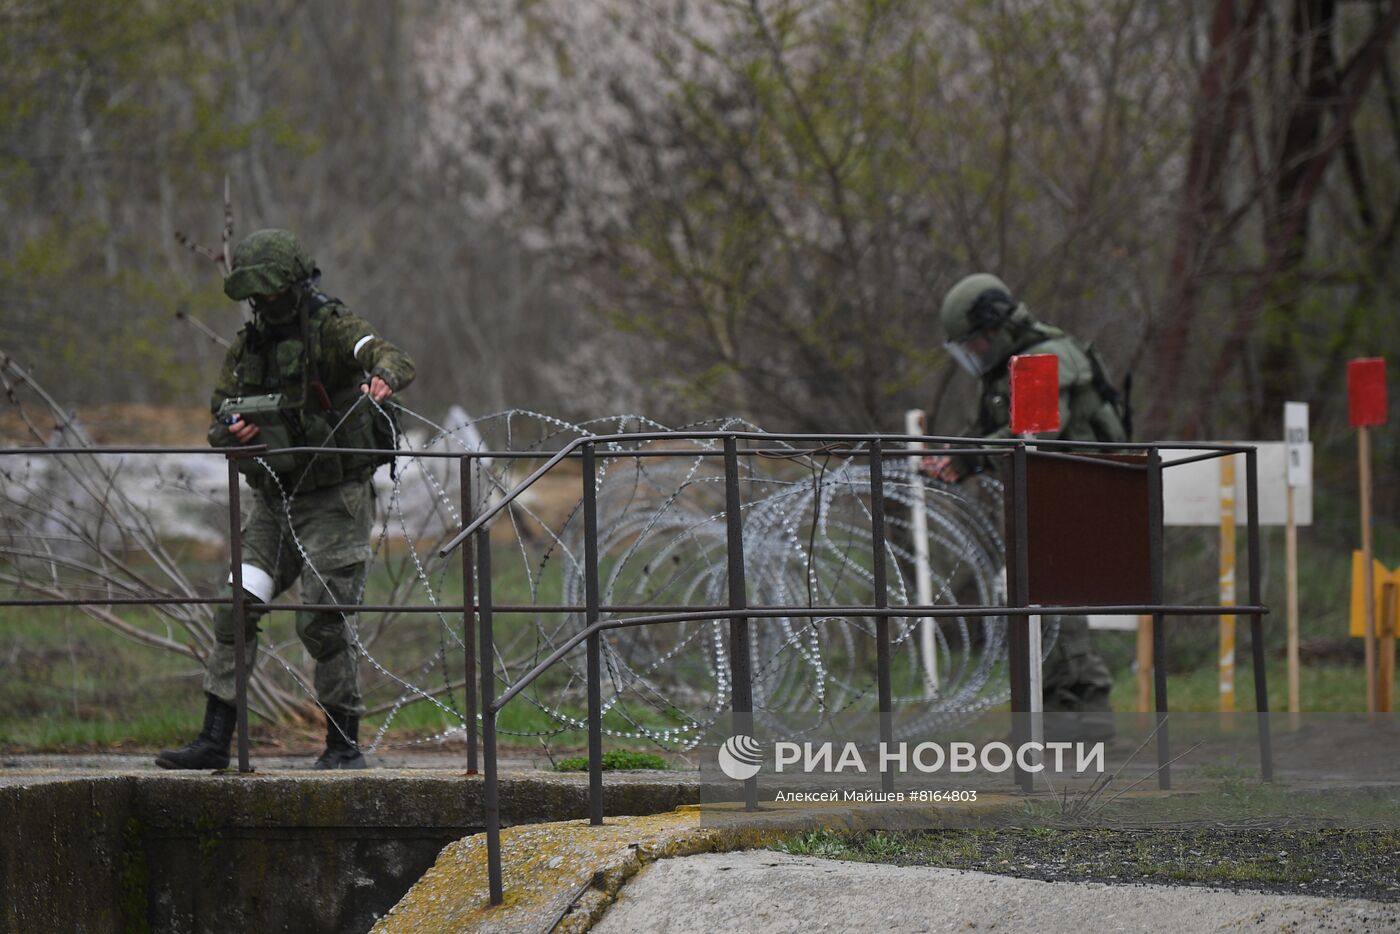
[(286, 359), (1097, 411)]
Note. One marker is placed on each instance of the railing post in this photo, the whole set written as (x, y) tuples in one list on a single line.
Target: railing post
[(1256, 622), (1155, 558), (595, 646), (740, 667), (491, 803), (239, 610), (468, 615), (1019, 648), (882, 623)]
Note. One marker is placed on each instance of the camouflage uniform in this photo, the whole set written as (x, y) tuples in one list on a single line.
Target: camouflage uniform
[(1075, 677), (298, 372), (311, 514), (1085, 415)]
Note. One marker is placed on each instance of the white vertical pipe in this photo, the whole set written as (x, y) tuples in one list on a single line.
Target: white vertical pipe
[(1037, 689), (923, 574)]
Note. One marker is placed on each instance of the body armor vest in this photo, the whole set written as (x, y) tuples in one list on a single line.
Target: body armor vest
[(285, 360)]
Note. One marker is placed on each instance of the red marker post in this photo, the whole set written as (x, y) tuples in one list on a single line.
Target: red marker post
[(1366, 403), (1035, 393), (1035, 408)]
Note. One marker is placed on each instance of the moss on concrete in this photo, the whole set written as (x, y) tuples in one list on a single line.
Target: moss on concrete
[(135, 880), (569, 869)]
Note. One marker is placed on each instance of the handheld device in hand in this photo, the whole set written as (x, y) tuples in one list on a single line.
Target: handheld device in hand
[(256, 410), (268, 412)]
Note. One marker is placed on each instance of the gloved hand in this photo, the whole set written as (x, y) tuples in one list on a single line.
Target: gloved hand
[(939, 467)]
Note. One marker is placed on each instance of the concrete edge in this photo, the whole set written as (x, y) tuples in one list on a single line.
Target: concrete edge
[(558, 876), (563, 876), (590, 907)]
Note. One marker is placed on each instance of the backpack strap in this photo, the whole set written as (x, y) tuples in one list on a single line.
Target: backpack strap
[(313, 303), (1122, 401)]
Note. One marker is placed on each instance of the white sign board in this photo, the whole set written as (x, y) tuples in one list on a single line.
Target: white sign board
[(1295, 435), (1191, 492), (1114, 623)]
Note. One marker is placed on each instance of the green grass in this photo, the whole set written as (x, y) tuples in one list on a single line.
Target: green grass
[(826, 844), (158, 726), (1322, 688), (69, 682), (614, 760)]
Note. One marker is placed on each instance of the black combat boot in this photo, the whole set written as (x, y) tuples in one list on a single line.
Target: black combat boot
[(210, 748), (1079, 715), (1097, 715), (342, 742)]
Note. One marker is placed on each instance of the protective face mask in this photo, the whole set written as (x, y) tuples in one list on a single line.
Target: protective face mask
[(280, 310), (976, 353), (964, 359)]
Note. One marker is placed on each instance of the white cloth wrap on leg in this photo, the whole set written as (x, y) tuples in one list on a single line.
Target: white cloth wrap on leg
[(256, 581)]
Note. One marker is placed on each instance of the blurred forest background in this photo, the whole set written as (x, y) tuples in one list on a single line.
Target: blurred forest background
[(692, 208), (687, 209)]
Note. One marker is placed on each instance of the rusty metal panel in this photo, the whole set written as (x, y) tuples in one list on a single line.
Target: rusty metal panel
[(1087, 530)]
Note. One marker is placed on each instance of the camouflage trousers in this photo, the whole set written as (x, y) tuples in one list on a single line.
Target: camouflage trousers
[(322, 539), (1074, 676)]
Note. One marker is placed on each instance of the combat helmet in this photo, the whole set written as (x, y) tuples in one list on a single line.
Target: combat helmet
[(267, 262), (975, 314)]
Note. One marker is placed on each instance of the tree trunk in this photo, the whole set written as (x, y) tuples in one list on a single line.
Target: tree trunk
[(1232, 40)]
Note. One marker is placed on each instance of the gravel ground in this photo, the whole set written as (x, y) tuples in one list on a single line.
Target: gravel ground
[(1346, 863)]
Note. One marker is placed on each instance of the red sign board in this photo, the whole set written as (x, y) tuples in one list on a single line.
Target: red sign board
[(1365, 391), (1035, 393)]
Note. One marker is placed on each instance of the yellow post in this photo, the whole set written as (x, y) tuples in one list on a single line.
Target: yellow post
[(1363, 443), (1388, 623), (1227, 583), (1144, 665)]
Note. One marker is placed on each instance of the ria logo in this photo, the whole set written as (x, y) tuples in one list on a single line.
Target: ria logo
[(740, 757)]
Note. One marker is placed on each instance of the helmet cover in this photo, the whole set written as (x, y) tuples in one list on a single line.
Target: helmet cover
[(265, 263), (974, 312)]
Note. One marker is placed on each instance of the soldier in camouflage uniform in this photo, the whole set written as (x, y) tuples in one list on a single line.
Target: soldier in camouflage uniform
[(310, 368), (985, 328)]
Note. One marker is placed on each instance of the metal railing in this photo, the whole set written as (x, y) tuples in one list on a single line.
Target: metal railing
[(475, 537), (234, 456), (477, 604)]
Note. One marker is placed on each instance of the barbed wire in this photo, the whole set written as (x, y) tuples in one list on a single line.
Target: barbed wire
[(805, 543), (662, 541)]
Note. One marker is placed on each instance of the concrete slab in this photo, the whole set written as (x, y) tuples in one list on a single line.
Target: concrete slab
[(145, 848), (763, 891)]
